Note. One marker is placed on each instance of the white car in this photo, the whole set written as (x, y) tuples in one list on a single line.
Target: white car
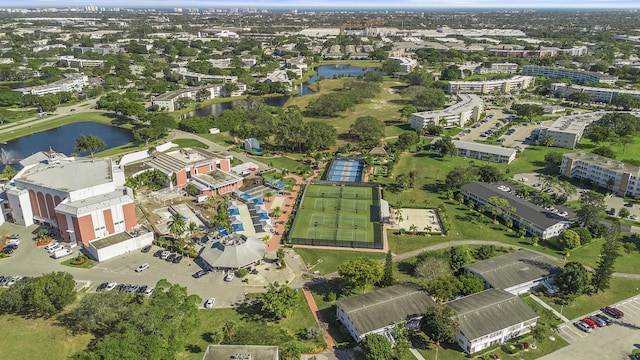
[(229, 276), (563, 214), (51, 247), (13, 242), (142, 267), (209, 303), (148, 292), (111, 286)]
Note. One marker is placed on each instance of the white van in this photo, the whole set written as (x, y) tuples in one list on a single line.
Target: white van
[(55, 248), (62, 252), (51, 246)]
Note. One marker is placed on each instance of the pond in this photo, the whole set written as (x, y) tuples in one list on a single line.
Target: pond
[(323, 72), (62, 139)]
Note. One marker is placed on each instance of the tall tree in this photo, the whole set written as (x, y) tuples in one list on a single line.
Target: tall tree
[(387, 276), (607, 260), (376, 347), (360, 272), (279, 301), (459, 256), (368, 130), (592, 208), (573, 279), (90, 143), (177, 225), (440, 323)]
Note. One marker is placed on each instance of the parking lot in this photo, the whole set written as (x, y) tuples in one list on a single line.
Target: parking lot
[(610, 342)]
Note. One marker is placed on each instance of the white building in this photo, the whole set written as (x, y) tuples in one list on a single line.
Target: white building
[(379, 311), (468, 108), (406, 64), (596, 94), (621, 178), (516, 272), (575, 51), (567, 131), (71, 82), (169, 101), (491, 317), (485, 152), (516, 83), (71, 61), (505, 67), (580, 76), (184, 73)]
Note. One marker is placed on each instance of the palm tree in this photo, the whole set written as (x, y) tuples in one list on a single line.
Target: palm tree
[(398, 215), (268, 195), (427, 230), (177, 225), (413, 229), (193, 228), (277, 211)]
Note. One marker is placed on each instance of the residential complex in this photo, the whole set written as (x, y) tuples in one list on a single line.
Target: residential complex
[(491, 317), (169, 100), (468, 108), (535, 219), (208, 172), (71, 61), (516, 83), (621, 178), (517, 272), (596, 94), (184, 73), (485, 152), (567, 130), (506, 67), (406, 64), (72, 82), (579, 76)]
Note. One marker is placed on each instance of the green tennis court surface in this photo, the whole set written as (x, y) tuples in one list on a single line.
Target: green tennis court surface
[(338, 215)]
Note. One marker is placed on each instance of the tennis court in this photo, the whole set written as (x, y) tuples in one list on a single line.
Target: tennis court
[(338, 215), (346, 170)]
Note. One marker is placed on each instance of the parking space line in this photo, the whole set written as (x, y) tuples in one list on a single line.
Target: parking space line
[(572, 333)]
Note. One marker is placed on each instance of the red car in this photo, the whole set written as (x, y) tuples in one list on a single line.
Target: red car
[(614, 312), (590, 322)]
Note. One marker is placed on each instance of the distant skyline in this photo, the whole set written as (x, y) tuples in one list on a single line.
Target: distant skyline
[(336, 4)]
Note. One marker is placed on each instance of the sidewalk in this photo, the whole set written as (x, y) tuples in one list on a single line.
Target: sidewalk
[(316, 314), (546, 306)]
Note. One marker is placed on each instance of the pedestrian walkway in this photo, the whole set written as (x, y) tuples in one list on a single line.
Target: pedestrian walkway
[(545, 305), (416, 354), (316, 315)]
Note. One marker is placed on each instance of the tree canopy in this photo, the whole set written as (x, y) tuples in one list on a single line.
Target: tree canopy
[(360, 272), (279, 301), (90, 143), (440, 323), (41, 296), (368, 130), (573, 279)]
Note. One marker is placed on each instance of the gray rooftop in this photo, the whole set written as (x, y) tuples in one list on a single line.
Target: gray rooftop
[(485, 148), (69, 176), (512, 269), (234, 251), (110, 240), (603, 162), (489, 311), (177, 160), (535, 214), (101, 201), (241, 352), (385, 307)]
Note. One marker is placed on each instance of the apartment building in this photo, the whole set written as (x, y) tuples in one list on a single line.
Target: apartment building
[(575, 51), (520, 52), (516, 83), (496, 68), (621, 178), (71, 61), (596, 94), (184, 73), (535, 219), (485, 152), (567, 131), (579, 76), (72, 82), (228, 62), (169, 101), (110, 50), (406, 64), (468, 108)]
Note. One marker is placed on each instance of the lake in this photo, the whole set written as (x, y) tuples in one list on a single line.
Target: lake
[(62, 140), (323, 72)]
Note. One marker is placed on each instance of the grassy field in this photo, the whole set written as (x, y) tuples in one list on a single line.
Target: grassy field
[(338, 213), (252, 330), (327, 261), (620, 289), (223, 138), (189, 143), (588, 255), (26, 339), (282, 162)]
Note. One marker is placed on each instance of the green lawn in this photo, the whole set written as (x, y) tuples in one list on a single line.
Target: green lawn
[(27, 339), (290, 165), (620, 289), (189, 143), (252, 330), (88, 264), (399, 244), (588, 255), (222, 138), (331, 259)]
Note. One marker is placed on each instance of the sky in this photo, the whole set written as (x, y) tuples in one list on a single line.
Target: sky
[(329, 4)]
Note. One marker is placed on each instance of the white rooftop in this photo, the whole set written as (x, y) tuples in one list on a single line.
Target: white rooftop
[(69, 176), (485, 148)]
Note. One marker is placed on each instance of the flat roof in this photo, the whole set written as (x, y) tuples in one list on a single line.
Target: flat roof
[(218, 178), (102, 201), (603, 162), (518, 267), (71, 175), (490, 311), (385, 307), (110, 240), (575, 123), (535, 214), (485, 148), (241, 352), (466, 102)]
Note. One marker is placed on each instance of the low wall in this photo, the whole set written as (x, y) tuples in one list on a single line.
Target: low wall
[(143, 154)]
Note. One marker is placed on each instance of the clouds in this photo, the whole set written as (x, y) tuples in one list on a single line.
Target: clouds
[(363, 4)]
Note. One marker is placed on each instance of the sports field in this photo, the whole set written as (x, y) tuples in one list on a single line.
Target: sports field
[(338, 215)]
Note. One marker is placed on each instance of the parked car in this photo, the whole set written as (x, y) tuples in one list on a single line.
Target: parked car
[(111, 286), (14, 236), (7, 250), (62, 252), (199, 273), (4, 281), (53, 247), (142, 267), (158, 253), (230, 275), (582, 326), (209, 303), (171, 257), (590, 323), (614, 312), (178, 259), (142, 289), (13, 242), (165, 254), (12, 280), (102, 286), (146, 249), (604, 318), (133, 288), (148, 292), (599, 322)]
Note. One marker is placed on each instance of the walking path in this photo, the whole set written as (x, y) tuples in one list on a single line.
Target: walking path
[(546, 306), (316, 315), (416, 354)]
